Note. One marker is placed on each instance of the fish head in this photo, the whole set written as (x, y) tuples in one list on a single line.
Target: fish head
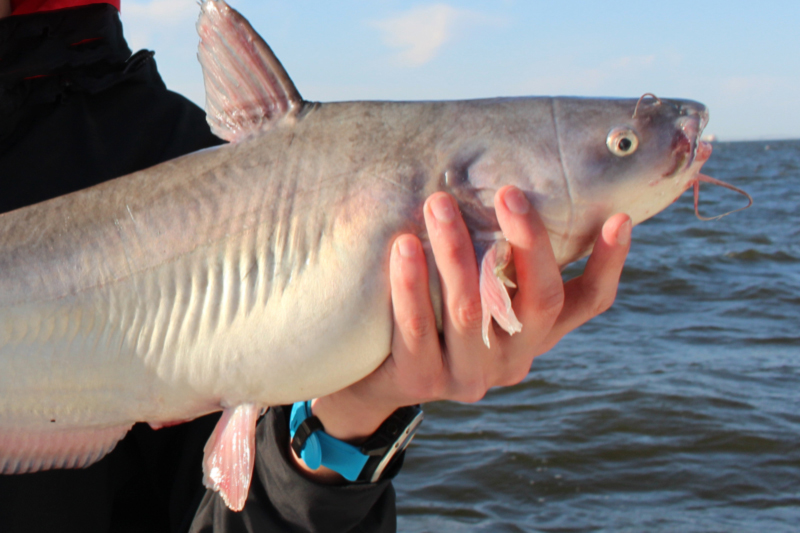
[(625, 156)]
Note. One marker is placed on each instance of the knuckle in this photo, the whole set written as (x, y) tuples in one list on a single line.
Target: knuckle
[(449, 247), (417, 326), (551, 298), (437, 379), (604, 304), (469, 314), (456, 245), (435, 388), (516, 376), (597, 300), (422, 384), (471, 394), (425, 390)]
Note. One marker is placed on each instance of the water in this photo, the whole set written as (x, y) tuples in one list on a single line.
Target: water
[(677, 410)]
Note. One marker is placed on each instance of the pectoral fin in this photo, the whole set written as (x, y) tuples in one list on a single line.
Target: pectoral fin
[(247, 88), (494, 296), (230, 455)]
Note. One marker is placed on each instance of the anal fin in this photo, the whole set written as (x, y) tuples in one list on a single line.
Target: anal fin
[(230, 455), (24, 451), (495, 301)]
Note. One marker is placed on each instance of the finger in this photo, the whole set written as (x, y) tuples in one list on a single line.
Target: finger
[(415, 345), (539, 299), (593, 292), (468, 363), (455, 260)]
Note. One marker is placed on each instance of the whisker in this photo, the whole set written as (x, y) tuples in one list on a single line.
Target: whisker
[(709, 179)]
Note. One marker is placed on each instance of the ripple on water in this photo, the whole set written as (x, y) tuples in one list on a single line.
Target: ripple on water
[(752, 255)]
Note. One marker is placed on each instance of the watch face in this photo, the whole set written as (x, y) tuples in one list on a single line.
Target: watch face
[(400, 444)]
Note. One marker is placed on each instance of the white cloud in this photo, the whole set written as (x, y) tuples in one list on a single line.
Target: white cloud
[(421, 32), (168, 27), (161, 12), (146, 22)]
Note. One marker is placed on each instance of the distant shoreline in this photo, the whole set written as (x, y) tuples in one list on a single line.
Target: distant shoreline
[(770, 139)]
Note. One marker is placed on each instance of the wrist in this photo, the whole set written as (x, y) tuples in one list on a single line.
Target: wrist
[(314, 448), (348, 417)]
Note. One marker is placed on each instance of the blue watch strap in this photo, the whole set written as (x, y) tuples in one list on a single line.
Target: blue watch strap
[(319, 448)]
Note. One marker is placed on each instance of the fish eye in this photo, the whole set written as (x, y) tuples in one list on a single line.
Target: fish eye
[(622, 141)]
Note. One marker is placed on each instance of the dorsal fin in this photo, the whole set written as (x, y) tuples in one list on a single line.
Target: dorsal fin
[(247, 88)]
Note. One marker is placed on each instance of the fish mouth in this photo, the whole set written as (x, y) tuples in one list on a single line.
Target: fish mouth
[(693, 150), (686, 144), (688, 149), (693, 127)]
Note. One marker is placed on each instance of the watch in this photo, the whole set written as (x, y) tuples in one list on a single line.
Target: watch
[(364, 463)]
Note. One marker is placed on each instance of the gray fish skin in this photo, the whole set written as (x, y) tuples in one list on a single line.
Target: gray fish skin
[(258, 271)]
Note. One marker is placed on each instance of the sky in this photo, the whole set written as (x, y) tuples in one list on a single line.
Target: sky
[(740, 58)]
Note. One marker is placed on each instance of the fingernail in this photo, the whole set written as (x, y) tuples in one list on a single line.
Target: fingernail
[(442, 208), (624, 233), (516, 202), (407, 247)]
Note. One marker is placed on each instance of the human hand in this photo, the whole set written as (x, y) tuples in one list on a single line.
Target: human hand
[(425, 367)]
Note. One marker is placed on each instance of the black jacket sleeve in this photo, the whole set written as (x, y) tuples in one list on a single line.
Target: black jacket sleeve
[(282, 499)]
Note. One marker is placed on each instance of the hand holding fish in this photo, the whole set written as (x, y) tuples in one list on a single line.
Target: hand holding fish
[(425, 367)]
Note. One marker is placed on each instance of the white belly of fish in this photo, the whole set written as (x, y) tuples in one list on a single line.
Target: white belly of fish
[(212, 328)]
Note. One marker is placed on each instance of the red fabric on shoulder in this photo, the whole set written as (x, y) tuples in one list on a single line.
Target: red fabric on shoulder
[(25, 7)]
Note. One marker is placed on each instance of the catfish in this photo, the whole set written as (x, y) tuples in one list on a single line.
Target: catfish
[(255, 273)]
